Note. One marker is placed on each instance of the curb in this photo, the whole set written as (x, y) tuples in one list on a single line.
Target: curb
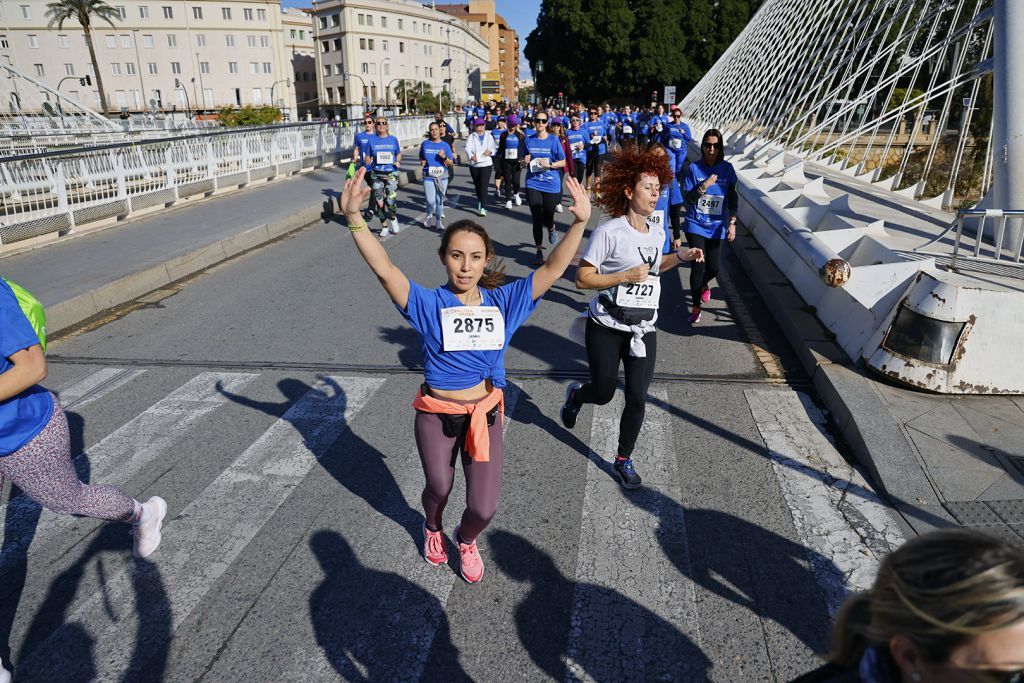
[(858, 409)]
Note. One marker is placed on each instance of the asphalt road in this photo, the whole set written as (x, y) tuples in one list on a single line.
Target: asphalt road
[(267, 400)]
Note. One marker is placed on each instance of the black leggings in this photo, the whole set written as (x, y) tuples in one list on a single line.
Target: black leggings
[(701, 274), (605, 349), (594, 162), (542, 208), (512, 174), (578, 170), (481, 179)]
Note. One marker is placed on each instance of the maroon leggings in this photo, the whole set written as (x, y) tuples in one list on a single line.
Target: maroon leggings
[(438, 454)]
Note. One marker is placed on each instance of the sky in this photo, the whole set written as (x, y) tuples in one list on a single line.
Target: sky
[(520, 14)]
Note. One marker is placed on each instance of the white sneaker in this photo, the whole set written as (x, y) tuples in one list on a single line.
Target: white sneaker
[(5, 675), (394, 226), (440, 226), (442, 213), (429, 222), (519, 200), (384, 232), (146, 531), (508, 204), (558, 208)]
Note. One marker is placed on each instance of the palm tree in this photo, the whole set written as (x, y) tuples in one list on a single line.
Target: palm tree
[(84, 11)]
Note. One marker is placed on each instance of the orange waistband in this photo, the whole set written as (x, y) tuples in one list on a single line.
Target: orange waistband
[(478, 438)]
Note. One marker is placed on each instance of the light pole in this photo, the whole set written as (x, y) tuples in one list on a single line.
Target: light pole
[(388, 86), (202, 87), (380, 69), (142, 85), (178, 85), (348, 76), (274, 85)]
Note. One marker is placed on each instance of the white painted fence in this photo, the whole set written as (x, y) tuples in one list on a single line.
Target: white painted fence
[(54, 192)]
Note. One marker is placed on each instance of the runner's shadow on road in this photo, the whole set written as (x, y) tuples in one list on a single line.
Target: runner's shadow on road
[(410, 355), (370, 624), (354, 463), (605, 648)]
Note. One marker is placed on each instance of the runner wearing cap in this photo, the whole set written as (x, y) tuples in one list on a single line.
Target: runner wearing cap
[(678, 139), (578, 145), (384, 155), (709, 188), (544, 157), (511, 151), (480, 150), (623, 261), (499, 167), (465, 327)]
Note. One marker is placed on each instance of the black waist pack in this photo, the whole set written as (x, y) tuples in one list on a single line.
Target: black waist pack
[(453, 426), (626, 316)]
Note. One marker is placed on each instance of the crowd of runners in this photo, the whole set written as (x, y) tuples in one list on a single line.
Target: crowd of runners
[(664, 203)]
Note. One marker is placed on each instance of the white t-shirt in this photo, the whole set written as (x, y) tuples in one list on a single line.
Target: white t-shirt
[(616, 246)]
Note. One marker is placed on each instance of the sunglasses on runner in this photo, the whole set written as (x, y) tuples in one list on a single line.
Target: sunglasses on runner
[(677, 114), (368, 122), (382, 123), (540, 120), (712, 145)]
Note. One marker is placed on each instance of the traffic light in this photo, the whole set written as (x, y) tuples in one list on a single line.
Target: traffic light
[(177, 83), (86, 80)]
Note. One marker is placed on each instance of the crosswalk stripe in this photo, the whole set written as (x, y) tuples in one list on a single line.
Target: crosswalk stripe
[(95, 385), (835, 511), (391, 551), (202, 541), (625, 538), (145, 438)]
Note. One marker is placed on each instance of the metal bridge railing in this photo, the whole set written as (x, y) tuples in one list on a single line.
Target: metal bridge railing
[(1006, 243), (51, 192)]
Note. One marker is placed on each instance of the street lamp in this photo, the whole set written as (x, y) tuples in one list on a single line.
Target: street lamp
[(202, 87), (388, 87), (274, 85), (135, 39), (178, 85), (350, 75)]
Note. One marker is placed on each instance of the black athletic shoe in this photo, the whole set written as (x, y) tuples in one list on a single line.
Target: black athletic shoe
[(570, 409), (627, 474)]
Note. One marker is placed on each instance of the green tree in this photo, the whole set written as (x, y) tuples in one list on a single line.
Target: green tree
[(249, 116), (84, 11)]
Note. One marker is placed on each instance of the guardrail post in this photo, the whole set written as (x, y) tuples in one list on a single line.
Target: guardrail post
[(169, 174), (60, 189), (117, 162), (211, 159)]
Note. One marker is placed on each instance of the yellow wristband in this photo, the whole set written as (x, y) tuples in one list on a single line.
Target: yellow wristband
[(357, 228)]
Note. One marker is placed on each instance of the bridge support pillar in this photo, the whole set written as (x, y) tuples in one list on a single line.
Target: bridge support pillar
[(1008, 110)]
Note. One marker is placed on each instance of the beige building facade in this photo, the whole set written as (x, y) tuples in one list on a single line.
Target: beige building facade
[(502, 41), (300, 50), (365, 48), (175, 54)]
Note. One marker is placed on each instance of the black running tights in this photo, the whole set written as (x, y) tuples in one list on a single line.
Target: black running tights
[(512, 175), (481, 181), (701, 274), (542, 208), (606, 348)]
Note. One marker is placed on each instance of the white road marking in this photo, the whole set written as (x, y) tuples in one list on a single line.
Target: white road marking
[(624, 540), (835, 511), (202, 541), (95, 386), (392, 551), (145, 438)]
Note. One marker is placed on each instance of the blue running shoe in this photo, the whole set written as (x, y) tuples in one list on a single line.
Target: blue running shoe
[(552, 238), (570, 409), (627, 473)]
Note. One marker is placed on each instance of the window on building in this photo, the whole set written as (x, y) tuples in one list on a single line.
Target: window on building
[(26, 11), (327, 69), (147, 42), (111, 42), (172, 40), (176, 68), (370, 43), (361, 19), (323, 22), (264, 41), (126, 41), (415, 27), (168, 12), (115, 69), (339, 69), (152, 68), (261, 14), (326, 45), (267, 68), (200, 40), (254, 67), (143, 12), (247, 13), (197, 12), (229, 40), (232, 67), (365, 67), (4, 43), (291, 33), (122, 11), (386, 66), (129, 68), (302, 34), (335, 20), (401, 46), (62, 41), (362, 43), (250, 41), (384, 46), (383, 22), (204, 67), (417, 71), (69, 69), (400, 23), (257, 96), (330, 95), (225, 13)]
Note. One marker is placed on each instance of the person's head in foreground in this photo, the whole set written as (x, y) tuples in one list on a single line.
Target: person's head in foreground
[(631, 180)]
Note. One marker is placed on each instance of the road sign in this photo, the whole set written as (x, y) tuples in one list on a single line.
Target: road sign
[(670, 94)]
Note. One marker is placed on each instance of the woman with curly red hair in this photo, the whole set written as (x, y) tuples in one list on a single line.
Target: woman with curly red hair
[(623, 261)]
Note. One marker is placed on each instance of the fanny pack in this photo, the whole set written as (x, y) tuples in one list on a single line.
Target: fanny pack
[(454, 426), (626, 316)]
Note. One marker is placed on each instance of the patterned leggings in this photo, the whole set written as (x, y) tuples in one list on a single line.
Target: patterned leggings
[(42, 469), (385, 192)]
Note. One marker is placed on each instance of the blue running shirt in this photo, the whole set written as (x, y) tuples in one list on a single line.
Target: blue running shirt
[(710, 215), (384, 152), (549, 180), (22, 417)]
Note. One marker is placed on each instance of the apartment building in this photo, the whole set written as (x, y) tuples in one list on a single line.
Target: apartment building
[(502, 42), (171, 54), (300, 49), (365, 48)]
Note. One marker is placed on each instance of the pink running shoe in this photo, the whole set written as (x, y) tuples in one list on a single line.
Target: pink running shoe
[(470, 565), (434, 551), (705, 295), (694, 317)]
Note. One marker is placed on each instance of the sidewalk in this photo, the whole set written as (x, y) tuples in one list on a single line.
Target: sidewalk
[(942, 460), (78, 277)]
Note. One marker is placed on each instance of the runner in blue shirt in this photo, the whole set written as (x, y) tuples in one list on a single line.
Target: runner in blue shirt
[(711, 202), (628, 125), (610, 121), (499, 168), (597, 146), (465, 326), (544, 156), (678, 141), (383, 155), (437, 158), (578, 143)]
